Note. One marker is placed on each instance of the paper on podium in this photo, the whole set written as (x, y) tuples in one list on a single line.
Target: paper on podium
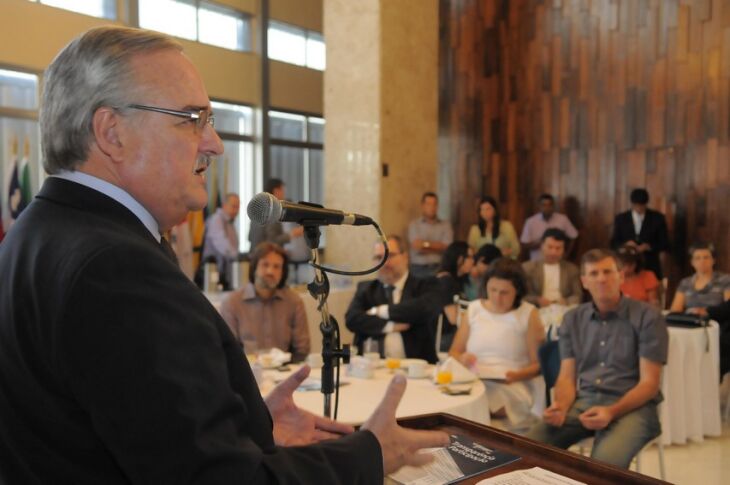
[(530, 476)]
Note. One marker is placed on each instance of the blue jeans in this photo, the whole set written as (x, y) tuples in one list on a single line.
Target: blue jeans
[(617, 443)]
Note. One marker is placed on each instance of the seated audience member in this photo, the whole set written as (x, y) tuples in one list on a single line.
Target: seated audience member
[(221, 239), (537, 224), (396, 310), (706, 287), (482, 259), (428, 236), (452, 276), (550, 279), (274, 232), (500, 338), (612, 352), (639, 283), (643, 228), (264, 312), (491, 229)]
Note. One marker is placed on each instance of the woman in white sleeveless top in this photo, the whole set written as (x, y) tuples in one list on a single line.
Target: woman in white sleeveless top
[(500, 341)]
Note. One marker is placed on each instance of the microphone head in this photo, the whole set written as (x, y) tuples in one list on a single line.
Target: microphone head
[(264, 208)]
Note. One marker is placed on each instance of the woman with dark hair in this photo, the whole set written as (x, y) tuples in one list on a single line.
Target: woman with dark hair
[(706, 287), (639, 283), (482, 259), (453, 276), (491, 229), (499, 342)]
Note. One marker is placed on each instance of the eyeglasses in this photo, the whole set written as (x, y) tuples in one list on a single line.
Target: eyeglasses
[(201, 117)]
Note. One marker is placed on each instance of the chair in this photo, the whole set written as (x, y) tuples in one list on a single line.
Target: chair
[(587, 444), (549, 357), (439, 328), (663, 290)]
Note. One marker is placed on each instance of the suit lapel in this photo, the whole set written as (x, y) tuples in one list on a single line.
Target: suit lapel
[(540, 276)]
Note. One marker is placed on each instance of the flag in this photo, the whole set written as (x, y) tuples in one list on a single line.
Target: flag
[(16, 204), (24, 174), (196, 224)]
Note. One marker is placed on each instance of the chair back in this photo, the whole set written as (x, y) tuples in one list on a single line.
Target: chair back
[(549, 356)]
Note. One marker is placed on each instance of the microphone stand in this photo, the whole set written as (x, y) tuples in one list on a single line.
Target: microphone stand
[(331, 351)]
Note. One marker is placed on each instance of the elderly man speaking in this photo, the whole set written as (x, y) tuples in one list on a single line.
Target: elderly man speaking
[(113, 366)]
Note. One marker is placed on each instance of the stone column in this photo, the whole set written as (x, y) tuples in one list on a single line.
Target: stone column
[(381, 109)]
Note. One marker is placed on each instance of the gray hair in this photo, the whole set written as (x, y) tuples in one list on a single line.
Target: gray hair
[(92, 71)]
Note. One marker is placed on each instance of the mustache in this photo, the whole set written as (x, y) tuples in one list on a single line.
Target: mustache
[(201, 164)]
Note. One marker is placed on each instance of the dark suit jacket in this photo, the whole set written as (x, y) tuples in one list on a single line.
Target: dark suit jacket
[(115, 369), (570, 286), (418, 307), (653, 232)]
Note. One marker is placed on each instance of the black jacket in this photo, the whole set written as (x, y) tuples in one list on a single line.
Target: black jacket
[(653, 232), (115, 369), (419, 307)]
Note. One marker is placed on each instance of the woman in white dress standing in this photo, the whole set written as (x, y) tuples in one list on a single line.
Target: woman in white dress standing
[(499, 342)]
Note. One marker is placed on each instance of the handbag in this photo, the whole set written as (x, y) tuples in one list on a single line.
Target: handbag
[(686, 320)]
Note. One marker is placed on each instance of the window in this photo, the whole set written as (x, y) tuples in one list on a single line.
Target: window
[(18, 90), (205, 22), (106, 9), (236, 170), (295, 45), (19, 142), (297, 154)]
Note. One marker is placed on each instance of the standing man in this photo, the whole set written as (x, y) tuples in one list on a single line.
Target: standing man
[(551, 279), (274, 232), (114, 368), (397, 310), (429, 236), (221, 239), (644, 229), (612, 351), (537, 224), (265, 312)]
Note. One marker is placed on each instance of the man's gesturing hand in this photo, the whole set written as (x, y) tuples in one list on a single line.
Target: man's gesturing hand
[(400, 445), (294, 426)]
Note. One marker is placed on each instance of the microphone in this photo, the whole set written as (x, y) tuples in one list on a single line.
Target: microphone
[(264, 209)]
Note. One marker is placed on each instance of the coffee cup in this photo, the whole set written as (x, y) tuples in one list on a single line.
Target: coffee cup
[(417, 369), (373, 357), (315, 361)]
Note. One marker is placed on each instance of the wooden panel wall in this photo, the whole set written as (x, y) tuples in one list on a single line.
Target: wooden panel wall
[(588, 99)]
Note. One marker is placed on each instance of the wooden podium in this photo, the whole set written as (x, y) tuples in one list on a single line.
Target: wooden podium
[(532, 453)]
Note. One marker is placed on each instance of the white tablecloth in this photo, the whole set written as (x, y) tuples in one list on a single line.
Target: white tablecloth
[(691, 386), (360, 397)]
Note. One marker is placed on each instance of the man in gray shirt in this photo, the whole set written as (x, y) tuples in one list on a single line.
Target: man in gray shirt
[(273, 232), (612, 352), (428, 236)]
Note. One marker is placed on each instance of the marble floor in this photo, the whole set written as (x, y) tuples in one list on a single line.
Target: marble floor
[(706, 463)]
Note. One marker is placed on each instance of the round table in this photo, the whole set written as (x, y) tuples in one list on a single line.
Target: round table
[(360, 397), (691, 385)]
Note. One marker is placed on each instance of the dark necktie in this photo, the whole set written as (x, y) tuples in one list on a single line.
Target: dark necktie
[(167, 249), (389, 293)]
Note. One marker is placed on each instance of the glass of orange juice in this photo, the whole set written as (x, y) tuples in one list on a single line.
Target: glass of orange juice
[(444, 376), (392, 363)]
